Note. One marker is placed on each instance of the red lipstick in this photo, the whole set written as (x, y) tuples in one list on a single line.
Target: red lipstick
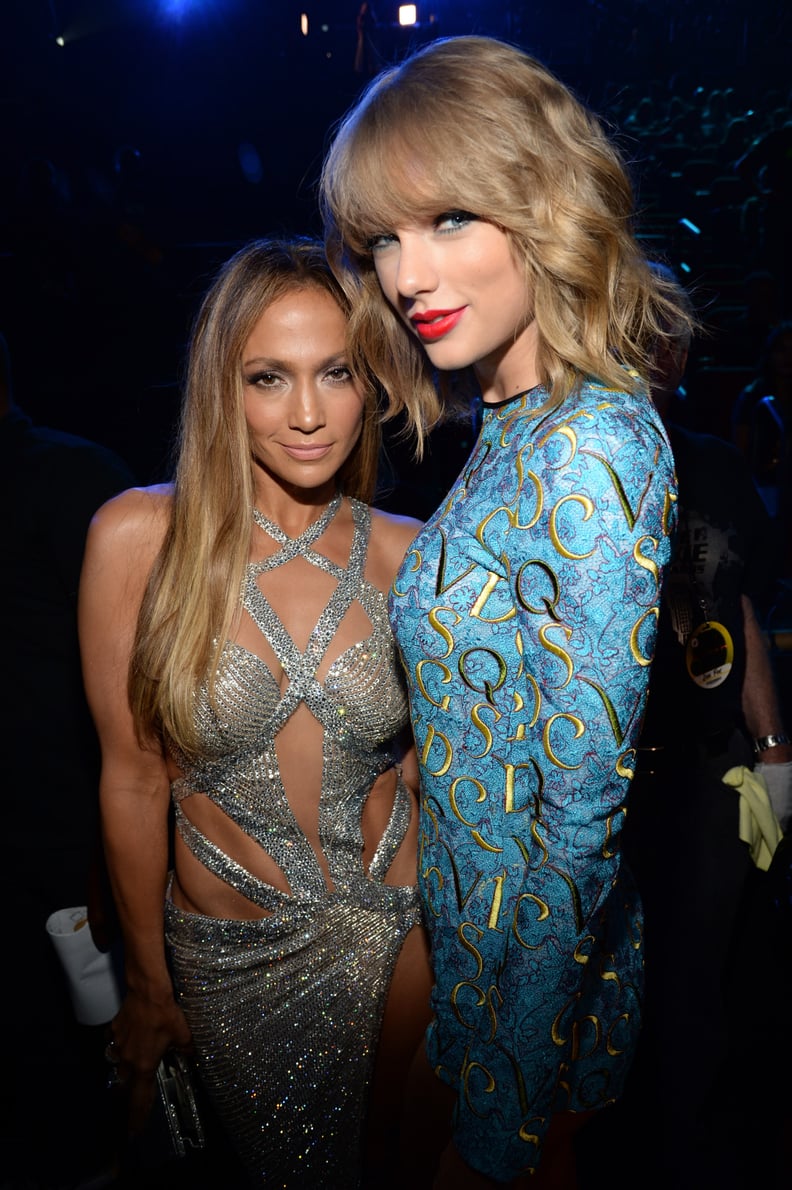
[(431, 325)]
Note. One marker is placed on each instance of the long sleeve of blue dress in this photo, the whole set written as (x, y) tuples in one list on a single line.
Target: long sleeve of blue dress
[(526, 614)]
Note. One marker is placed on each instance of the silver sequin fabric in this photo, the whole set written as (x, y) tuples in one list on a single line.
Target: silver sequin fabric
[(286, 1009)]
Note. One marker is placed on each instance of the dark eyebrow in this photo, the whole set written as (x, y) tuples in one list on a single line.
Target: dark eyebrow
[(266, 363), (262, 362)]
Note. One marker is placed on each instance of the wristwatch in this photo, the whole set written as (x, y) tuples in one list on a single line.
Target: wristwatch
[(765, 742)]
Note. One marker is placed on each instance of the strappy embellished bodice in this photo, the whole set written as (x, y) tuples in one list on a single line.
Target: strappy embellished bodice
[(285, 1008), (360, 704)]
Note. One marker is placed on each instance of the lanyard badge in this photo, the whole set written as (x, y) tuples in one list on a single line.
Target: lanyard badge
[(709, 654)]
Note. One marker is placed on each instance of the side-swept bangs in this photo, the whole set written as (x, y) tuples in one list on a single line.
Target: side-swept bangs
[(474, 124), (394, 162)]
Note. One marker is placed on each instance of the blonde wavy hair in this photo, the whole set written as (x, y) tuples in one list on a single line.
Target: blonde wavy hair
[(192, 597), (475, 124)]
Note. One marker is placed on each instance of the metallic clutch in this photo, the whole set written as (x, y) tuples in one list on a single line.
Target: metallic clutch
[(177, 1099)]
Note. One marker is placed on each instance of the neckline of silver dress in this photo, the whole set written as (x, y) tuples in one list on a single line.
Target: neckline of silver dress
[(308, 536)]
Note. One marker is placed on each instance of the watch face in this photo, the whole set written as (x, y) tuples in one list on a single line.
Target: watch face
[(709, 654), (770, 741)]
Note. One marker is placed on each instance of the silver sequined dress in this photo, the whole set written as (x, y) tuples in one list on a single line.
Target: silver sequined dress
[(285, 1009)]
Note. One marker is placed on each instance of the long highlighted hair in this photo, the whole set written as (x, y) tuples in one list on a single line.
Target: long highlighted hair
[(192, 597)]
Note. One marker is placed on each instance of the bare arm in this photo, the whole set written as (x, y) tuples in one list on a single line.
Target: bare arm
[(759, 698), (763, 718), (134, 786)]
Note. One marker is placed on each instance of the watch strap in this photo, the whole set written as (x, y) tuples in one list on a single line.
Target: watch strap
[(765, 742)]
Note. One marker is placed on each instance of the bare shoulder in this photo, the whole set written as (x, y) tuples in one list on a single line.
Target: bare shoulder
[(393, 532), (132, 525), (391, 537), (136, 508), (135, 512)]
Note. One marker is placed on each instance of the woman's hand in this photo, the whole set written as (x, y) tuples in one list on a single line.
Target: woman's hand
[(144, 1029)]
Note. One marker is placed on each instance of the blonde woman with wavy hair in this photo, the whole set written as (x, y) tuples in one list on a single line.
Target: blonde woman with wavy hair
[(476, 125), (240, 668), (479, 220)]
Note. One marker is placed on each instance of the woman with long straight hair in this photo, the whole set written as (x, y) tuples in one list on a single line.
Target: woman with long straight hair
[(240, 666)]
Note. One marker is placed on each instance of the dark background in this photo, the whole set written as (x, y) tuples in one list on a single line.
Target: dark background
[(162, 135)]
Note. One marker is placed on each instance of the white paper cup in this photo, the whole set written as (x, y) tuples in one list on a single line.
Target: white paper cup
[(92, 980)]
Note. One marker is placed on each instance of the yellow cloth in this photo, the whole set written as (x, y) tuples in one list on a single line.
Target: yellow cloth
[(759, 827)]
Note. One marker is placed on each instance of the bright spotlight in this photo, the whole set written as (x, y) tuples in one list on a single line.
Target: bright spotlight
[(408, 14), (304, 23), (176, 9), (60, 41)]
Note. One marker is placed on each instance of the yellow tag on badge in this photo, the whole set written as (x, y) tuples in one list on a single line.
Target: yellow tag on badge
[(709, 654)]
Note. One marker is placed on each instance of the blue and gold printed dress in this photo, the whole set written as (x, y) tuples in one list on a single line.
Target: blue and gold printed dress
[(526, 613)]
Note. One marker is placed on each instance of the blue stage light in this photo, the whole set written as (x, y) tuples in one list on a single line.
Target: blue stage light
[(176, 9), (250, 163)]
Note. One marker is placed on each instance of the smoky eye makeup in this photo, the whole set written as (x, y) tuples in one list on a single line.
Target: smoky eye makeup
[(454, 220), (379, 240), (261, 378)]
